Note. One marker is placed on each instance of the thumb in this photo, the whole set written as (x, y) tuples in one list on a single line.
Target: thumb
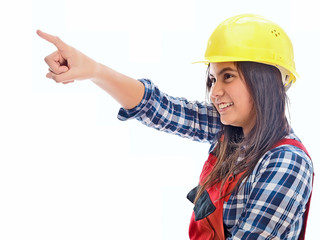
[(63, 69)]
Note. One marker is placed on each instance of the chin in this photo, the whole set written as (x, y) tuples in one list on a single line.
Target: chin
[(229, 123), (225, 122)]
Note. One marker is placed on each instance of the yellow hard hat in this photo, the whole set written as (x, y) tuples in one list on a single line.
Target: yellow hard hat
[(249, 37)]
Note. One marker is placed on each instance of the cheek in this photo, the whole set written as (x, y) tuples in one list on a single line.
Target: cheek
[(245, 103), (248, 103), (245, 95), (250, 112)]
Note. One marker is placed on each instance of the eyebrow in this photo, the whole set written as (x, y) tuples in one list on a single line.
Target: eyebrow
[(224, 70)]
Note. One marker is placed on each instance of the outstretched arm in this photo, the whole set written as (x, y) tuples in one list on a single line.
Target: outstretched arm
[(194, 120), (67, 64)]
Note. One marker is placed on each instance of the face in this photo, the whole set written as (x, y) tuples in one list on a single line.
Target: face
[(231, 97)]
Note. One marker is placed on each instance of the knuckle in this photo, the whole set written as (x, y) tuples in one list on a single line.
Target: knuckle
[(48, 60)]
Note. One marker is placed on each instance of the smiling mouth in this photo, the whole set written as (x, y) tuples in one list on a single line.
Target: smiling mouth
[(224, 105)]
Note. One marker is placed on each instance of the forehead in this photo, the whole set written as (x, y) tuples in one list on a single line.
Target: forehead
[(215, 68)]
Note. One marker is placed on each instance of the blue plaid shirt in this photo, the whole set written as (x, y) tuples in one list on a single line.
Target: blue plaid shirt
[(272, 202)]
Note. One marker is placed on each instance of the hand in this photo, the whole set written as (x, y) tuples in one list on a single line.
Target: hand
[(67, 64)]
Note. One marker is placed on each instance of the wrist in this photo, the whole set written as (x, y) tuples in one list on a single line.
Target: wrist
[(96, 72)]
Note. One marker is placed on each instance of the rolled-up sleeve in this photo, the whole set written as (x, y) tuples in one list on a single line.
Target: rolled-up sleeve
[(195, 120)]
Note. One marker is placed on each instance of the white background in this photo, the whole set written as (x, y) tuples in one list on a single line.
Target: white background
[(68, 168)]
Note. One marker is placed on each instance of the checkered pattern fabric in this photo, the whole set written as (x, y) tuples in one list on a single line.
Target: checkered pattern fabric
[(271, 203)]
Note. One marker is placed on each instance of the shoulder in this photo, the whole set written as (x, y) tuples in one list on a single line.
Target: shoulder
[(286, 157), (277, 191), (288, 168)]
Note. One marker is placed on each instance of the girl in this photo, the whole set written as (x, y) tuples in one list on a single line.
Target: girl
[(257, 181)]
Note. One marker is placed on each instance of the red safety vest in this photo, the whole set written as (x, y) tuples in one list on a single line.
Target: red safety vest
[(207, 218)]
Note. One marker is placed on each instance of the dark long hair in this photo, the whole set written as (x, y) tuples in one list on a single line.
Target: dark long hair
[(269, 99)]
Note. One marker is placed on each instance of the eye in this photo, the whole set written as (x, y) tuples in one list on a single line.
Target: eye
[(211, 81), (227, 76)]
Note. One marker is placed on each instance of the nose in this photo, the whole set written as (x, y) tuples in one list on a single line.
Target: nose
[(216, 91)]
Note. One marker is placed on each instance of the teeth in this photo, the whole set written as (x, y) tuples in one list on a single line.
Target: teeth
[(224, 105)]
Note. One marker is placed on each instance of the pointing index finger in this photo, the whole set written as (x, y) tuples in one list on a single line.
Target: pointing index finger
[(52, 39)]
